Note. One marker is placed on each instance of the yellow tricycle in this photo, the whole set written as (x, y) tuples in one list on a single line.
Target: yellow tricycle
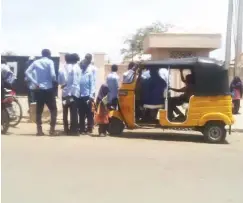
[(204, 105)]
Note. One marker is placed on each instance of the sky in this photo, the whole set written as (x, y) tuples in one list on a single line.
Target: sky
[(100, 25)]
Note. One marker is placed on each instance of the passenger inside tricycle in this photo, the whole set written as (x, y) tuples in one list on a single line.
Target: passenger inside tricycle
[(153, 91)]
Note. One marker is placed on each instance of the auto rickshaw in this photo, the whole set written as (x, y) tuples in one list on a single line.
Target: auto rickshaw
[(209, 109)]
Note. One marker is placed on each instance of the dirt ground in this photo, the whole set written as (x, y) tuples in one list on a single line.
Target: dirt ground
[(143, 166)]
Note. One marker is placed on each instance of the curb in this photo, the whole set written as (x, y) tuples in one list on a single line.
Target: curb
[(236, 130)]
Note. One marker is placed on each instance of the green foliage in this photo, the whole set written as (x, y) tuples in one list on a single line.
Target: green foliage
[(134, 43)]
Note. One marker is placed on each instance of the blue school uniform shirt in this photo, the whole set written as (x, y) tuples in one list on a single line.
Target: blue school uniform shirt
[(112, 82), (69, 75), (44, 71), (86, 83)]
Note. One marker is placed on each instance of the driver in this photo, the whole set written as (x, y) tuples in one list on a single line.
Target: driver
[(187, 91)]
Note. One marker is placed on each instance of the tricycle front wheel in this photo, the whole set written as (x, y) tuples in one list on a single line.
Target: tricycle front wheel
[(116, 126)]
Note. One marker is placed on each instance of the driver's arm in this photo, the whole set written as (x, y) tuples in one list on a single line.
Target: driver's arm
[(182, 76), (183, 89)]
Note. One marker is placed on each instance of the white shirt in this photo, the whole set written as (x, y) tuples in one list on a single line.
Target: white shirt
[(64, 79), (128, 76), (164, 74), (76, 74)]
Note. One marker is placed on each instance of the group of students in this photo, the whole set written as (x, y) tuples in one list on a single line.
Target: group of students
[(77, 79)]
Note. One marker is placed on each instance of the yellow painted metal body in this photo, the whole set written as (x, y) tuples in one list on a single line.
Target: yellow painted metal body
[(126, 104), (200, 111), (203, 109)]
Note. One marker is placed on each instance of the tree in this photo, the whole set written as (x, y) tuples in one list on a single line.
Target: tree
[(135, 42)]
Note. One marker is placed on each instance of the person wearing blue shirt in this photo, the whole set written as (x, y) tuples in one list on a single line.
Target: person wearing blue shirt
[(69, 95), (112, 81), (93, 70), (128, 76), (86, 98), (64, 82), (45, 76)]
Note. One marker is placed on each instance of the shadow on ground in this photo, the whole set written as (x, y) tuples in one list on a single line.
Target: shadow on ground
[(167, 136)]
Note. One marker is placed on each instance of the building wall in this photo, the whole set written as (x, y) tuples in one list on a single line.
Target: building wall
[(181, 40), (203, 53), (157, 54)]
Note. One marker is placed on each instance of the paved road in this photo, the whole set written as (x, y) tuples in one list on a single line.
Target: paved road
[(142, 167)]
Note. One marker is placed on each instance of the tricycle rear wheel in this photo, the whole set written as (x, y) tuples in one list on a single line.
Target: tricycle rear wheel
[(214, 132)]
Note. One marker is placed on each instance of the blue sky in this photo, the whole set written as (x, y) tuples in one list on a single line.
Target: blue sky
[(100, 25)]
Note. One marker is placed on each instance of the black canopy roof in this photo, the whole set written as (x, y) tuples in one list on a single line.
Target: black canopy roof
[(183, 63)]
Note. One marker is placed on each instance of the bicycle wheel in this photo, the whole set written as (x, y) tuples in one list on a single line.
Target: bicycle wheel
[(17, 114)]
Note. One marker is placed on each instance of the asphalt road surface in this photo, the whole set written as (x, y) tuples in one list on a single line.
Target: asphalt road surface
[(141, 167)]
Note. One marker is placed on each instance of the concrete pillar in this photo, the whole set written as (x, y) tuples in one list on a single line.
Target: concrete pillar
[(99, 62)]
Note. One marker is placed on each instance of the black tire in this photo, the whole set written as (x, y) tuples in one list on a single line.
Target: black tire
[(4, 121), (215, 132), (116, 126), (15, 122)]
